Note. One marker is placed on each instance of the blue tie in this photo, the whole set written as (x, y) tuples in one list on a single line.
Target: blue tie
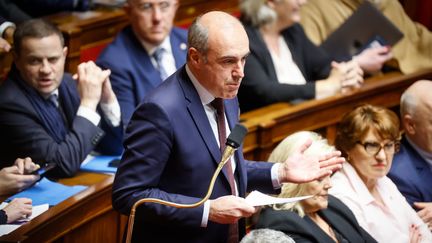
[(158, 55), (54, 100)]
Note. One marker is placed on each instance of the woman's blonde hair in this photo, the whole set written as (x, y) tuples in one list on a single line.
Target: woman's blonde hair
[(285, 149)]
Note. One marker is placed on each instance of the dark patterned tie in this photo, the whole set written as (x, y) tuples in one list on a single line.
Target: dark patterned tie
[(233, 235), (158, 55)]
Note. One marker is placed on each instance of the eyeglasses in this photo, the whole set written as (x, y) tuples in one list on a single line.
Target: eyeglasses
[(148, 8), (374, 148)]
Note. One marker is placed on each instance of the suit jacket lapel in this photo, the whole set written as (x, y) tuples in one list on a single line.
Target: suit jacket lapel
[(178, 49), (197, 112), (142, 61), (423, 170)]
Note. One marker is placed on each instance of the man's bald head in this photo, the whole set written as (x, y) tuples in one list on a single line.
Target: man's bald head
[(418, 94), (218, 47), (416, 110), (214, 25)]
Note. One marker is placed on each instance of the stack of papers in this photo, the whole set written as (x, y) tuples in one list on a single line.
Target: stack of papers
[(99, 163), (256, 198)]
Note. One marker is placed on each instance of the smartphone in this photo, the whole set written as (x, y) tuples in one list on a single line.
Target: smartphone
[(375, 41), (44, 169)]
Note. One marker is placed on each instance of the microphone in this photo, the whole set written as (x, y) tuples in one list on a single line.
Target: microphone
[(233, 142)]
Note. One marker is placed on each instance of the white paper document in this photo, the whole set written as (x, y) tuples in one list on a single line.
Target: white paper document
[(256, 198), (36, 211)]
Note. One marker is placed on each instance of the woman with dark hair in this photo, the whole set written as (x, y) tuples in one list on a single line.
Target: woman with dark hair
[(368, 137), (284, 65)]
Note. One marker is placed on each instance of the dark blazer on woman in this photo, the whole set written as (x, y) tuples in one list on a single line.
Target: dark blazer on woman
[(337, 215), (261, 87)]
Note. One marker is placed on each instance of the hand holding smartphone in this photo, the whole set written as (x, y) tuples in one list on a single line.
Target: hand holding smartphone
[(44, 169)]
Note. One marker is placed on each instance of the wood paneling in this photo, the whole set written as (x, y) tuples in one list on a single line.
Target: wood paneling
[(269, 125)]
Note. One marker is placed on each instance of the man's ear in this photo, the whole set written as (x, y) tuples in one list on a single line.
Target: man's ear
[(194, 56), (409, 125), (65, 51)]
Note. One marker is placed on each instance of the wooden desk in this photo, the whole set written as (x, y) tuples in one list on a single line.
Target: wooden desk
[(270, 125), (87, 33), (85, 30), (86, 217)]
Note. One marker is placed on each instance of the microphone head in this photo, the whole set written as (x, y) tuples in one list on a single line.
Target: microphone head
[(236, 137)]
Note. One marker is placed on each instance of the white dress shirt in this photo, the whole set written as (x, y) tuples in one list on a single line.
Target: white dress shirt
[(167, 60), (206, 97)]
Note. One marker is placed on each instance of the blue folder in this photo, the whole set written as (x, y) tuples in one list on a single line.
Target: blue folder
[(46, 191), (100, 164)]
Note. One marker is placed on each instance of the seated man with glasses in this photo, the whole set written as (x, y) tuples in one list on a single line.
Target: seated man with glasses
[(368, 137), (145, 53)]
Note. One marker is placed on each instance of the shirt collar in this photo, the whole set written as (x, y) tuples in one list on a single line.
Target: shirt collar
[(357, 184), (205, 96), (55, 92), (150, 48)]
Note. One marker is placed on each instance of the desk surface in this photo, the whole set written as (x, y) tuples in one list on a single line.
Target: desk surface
[(85, 217)]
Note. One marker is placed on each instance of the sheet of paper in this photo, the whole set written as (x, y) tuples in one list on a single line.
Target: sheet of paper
[(256, 198), (99, 164), (36, 211), (46, 191)]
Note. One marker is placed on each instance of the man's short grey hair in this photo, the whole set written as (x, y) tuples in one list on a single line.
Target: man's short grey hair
[(266, 236), (408, 104), (257, 12), (198, 36)]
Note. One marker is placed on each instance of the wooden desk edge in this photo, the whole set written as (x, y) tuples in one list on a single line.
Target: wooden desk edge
[(59, 210)]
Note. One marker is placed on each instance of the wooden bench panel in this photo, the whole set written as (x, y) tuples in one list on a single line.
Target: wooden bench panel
[(272, 124)]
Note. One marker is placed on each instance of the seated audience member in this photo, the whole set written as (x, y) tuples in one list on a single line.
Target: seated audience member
[(266, 236), (368, 138), (18, 208), (411, 170), (144, 53), (321, 218), (14, 179), (412, 53), (46, 114), (283, 65), (18, 177)]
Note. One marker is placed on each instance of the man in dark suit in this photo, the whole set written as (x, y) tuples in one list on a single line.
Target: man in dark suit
[(131, 57), (172, 147), (44, 114), (411, 170)]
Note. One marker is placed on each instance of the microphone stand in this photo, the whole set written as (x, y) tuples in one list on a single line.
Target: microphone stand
[(229, 151)]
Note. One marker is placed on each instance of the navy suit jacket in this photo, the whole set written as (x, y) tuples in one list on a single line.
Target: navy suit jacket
[(132, 72), (171, 153), (411, 174), (23, 134), (337, 215), (261, 87)]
